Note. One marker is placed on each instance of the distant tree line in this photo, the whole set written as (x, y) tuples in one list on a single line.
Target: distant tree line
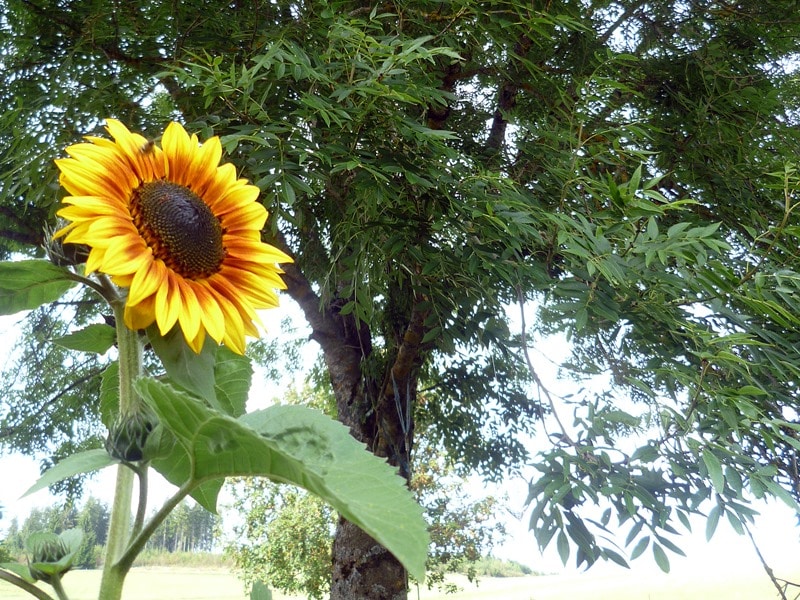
[(189, 528)]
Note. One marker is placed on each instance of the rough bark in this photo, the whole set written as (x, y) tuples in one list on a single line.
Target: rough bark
[(378, 414)]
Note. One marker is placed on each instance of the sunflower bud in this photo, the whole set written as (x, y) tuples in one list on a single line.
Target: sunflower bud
[(127, 438), (51, 555), (65, 254)]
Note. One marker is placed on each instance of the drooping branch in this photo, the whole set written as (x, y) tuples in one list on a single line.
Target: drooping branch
[(345, 344), (506, 98)]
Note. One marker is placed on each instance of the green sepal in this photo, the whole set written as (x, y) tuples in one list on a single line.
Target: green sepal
[(52, 555), (128, 436)]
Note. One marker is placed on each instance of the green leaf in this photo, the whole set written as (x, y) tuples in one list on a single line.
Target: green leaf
[(615, 557), (97, 338), (232, 374), (751, 390), (28, 284), (562, 544), (191, 371), (781, 493), (714, 470), (294, 444), (20, 570), (735, 522), (712, 522), (260, 592), (82, 462), (175, 466), (640, 547), (661, 558)]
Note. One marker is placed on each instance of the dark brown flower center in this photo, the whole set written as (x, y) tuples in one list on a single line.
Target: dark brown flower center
[(179, 227)]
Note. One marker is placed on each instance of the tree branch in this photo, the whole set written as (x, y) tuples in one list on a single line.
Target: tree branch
[(781, 589), (524, 342), (626, 14), (506, 100), (345, 343)]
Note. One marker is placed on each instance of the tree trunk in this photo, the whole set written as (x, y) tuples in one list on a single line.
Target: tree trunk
[(376, 416), (363, 569)]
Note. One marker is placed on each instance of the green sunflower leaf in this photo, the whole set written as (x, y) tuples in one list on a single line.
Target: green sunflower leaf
[(97, 338), (28, 284), (232, 374), (20, 570), (75, 464), (176, 467), (193, 372), (294, 444)]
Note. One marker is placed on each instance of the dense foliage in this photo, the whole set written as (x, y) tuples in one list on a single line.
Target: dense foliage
[(629, 166)]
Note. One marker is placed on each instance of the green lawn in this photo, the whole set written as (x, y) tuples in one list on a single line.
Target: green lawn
[(192, 584)]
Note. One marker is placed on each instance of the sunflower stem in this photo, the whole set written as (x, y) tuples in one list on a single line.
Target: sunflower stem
[(130, 366)]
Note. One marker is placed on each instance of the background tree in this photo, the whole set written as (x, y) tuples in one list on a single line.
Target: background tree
[(189, 528), (627, 165), (283, 536), (92, 519)]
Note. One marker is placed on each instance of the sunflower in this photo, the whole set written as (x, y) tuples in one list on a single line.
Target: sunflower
[(176, 228)]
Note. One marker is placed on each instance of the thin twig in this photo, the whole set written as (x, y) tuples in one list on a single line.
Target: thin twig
[(781, 589), (565, 436)]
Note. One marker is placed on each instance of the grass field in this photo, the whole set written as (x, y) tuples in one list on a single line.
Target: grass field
[(192, 584)]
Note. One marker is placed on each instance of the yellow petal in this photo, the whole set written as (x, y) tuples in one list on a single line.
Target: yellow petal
[(189, 315), (125, 255), (167, 305), (178, 152), (147, 281), (210, 311), (142, 315)]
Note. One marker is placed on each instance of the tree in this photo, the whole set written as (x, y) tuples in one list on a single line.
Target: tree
[(189, 528), (285, 537), (93, 520), (627, 165)]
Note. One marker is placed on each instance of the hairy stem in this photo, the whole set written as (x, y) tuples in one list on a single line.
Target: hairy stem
[(18, 581), (138, 522), (140, 539), (56, 583), (130, 365)]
